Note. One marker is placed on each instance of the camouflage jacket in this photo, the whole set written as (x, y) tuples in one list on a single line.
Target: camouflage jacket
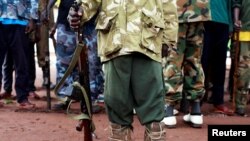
[(127, 26), (19, 9), (193, 10)]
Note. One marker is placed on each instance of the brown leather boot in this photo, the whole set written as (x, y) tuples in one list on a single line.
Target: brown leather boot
[(119, 133), (155, 132)]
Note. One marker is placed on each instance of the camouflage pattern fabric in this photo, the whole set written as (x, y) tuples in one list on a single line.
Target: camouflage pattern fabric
[(243, 76), (182, 68), (65, 47), (193, 10), (144, 21), (243, 68), (96, 75), (14, 9)]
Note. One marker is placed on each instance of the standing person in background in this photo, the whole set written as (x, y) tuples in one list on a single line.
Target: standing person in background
[(241, 9), (17, 19), (65, 47), (96, 75), (65, 50), (183, 73), (6, 76), (214, 54), (8, 69), (131, 34)]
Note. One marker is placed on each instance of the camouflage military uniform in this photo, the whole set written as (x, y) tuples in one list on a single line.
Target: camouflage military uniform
[(130, 37), (96, 75), (65, 47), (182, 68), (243, 65)]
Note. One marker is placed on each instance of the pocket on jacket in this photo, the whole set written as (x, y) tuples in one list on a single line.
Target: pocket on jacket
[(152, 32), (105, 22), (109, 38)]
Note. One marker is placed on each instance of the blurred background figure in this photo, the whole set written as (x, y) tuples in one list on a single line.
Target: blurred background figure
[(241, 48), (17, 21), (214, 53), (182, 69)]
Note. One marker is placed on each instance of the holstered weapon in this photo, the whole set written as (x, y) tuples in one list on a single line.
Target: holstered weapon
[(235, 60)]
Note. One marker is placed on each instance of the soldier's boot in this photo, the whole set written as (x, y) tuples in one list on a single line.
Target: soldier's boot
[(155, 132), (119, 133)]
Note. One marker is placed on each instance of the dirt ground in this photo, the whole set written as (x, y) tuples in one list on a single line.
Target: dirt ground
[(47, 125)]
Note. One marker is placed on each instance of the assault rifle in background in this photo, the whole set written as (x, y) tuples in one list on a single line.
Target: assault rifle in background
[(47, 66)]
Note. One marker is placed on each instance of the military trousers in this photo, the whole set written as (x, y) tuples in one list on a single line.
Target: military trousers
[(243, 76), (65, 48), (96, 75), (133, 82), (182, 67)]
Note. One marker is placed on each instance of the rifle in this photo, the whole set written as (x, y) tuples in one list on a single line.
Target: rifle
[(83, 68), (236, 48), (80, 90), (47, 66)]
